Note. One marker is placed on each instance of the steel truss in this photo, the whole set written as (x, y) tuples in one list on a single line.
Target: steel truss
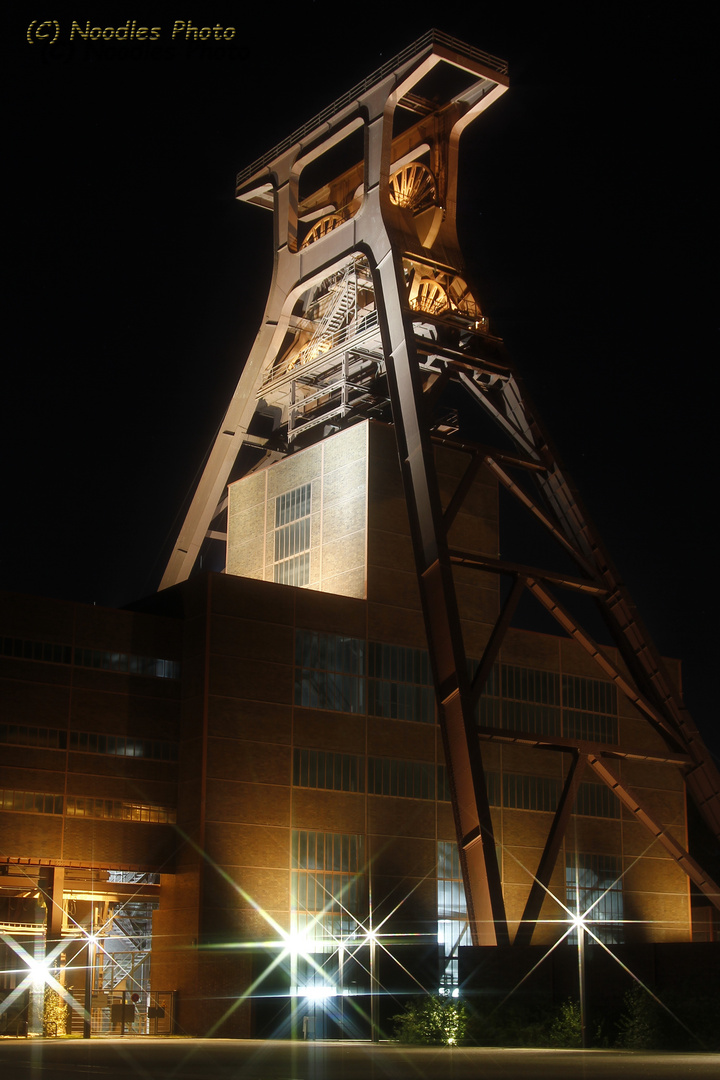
[(370, 314)]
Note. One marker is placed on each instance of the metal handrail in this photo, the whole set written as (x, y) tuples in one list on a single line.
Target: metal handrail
[(342, 341), (429, 38)]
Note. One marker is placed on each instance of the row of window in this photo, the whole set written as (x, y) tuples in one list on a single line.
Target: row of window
[(346, 772), (331, 673), (118, 810), (323, 769), (30, 802), (547, 720), (515, 683), (327, 851), (89, 742), (54, 653), (547, 703), (522, 792), (331, 860), (38, 802), (421, 780), (329, 898), (406, 779)]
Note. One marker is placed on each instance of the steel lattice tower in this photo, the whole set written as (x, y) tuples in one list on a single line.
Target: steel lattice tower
[(370, 314)]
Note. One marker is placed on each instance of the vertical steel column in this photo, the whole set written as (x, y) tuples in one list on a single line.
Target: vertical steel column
[(476, 843)]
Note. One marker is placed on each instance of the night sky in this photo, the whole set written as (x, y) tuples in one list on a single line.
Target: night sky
[(137, 283)]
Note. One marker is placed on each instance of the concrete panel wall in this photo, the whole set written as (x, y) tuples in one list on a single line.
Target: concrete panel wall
[(336, 469)]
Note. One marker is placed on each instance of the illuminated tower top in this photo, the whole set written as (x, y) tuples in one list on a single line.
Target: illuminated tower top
[(372, 178)]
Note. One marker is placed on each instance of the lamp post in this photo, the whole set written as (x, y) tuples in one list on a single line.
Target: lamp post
[(89, 968), (581, 978), (579, 921)]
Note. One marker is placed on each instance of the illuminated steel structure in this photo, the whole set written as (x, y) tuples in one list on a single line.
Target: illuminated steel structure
[(371, 315)]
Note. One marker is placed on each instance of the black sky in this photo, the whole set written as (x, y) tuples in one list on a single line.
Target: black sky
[(137, 283)]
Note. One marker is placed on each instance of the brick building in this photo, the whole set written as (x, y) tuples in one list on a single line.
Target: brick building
[(239, 785)]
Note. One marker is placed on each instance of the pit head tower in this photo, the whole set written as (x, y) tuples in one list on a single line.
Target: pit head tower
[(371, 316)]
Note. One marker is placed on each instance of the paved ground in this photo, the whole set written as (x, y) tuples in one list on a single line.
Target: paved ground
[(222, 1059)]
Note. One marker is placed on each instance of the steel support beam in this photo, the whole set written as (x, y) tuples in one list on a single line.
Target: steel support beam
[(486, 909), (685, 861), (541, 881)]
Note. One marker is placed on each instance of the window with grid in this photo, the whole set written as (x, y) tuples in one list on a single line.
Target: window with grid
[(400, 683), (323, 769), (54, 653), (406, 779), (292, 536), (30, 735), (453, 926), (524, 792), (594, 889), (520, 698), (597, 800), (30, 802), (117, 810), (329, 671), (543, 702), (589, 709), (328, 886)]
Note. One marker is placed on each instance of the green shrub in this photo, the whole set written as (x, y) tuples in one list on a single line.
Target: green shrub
[(55, 1013), (566, 1028), (638, 1027), (432, 1021), (512, 1023)]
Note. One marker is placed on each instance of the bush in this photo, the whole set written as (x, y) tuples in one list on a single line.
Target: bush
[(512, 1023), (55, 1013), (432, 1021), (566, 1028), (638, 1027)]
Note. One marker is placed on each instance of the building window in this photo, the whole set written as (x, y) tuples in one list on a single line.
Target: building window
[(106, 660), (597, 800), (594, 889), (405, 779), (334, 772), (545, 703), (521, 699), (589, 709), (329, 671), (29, 735), (453, 926), (92, 742), (30, 802), (521, 792), (328, 887), (116, 810), (292, 536), (400, 683)]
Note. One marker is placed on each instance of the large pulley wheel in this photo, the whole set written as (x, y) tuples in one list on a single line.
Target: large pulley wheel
[(412, 187)]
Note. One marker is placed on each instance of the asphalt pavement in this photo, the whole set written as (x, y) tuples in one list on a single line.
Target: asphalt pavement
[(224, 1059)]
